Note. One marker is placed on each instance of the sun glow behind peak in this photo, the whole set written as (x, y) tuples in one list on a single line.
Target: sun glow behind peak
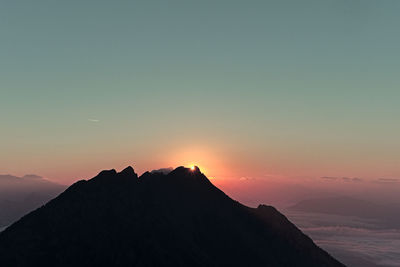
[(204, 158)]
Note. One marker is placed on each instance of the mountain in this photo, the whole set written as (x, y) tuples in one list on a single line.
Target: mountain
[(174, 219), (387, 214), (20, 195)]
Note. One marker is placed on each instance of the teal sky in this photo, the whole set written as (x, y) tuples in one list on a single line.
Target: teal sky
[(293, 88)]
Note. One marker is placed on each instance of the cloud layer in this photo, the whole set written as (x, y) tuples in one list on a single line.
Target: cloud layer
[(354, 241)]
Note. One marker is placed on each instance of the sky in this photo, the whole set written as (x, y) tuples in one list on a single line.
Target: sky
[(243, 89)]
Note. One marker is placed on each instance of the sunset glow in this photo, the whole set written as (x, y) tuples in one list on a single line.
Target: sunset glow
[(279, 103)]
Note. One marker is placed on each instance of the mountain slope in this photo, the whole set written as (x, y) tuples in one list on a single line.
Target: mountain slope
[(178, 219)]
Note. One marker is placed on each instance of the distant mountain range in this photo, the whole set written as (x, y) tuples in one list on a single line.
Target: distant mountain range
[(348, 206), (20, 195), (159, 219)]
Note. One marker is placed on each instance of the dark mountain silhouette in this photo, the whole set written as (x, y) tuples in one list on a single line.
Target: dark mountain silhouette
[(178, 219), (20, 195)]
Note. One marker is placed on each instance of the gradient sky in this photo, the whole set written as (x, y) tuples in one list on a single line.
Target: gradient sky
[(240, 88)]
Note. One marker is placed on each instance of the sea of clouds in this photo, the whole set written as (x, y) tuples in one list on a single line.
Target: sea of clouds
[(354, 241)]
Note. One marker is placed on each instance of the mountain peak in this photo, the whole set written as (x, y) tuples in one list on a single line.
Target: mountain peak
[(32, 176), (107, 173), (128, 171), (186, 171)]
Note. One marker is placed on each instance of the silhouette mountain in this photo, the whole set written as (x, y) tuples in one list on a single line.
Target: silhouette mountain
[(174, 219)]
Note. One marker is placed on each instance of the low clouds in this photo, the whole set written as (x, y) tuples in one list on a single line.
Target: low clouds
[(359, 246), (358, 179), (387, 180), (93, 120), (354, 241), (329, 177), (345, 179)]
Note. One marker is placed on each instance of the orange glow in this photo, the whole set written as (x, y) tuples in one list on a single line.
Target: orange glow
[(209, 160)]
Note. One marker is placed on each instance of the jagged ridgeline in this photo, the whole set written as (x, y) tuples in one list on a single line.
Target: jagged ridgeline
[(159, 219)]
